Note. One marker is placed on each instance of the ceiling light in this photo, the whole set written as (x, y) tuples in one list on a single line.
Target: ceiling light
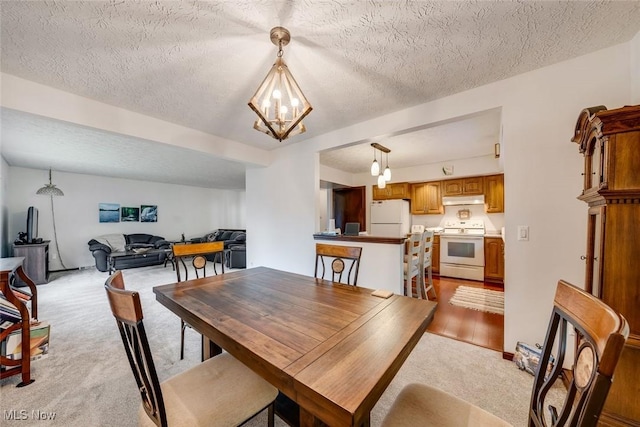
[(375, 167), (387, 170), (279, 102), (50, 189)]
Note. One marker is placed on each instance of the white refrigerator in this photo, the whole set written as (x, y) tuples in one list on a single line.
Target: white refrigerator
[(390, 218)]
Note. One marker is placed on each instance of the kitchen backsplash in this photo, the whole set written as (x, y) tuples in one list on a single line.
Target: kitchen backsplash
[(493, 223)]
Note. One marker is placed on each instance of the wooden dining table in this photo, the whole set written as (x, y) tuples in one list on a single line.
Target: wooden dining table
[(331, 349)]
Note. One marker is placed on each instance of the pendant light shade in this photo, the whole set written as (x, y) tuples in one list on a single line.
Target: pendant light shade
[(381, 181), (50, 189), (387, 171), (375, 167)]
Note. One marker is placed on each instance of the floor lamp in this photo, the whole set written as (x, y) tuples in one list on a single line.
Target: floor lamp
[(51, 190)]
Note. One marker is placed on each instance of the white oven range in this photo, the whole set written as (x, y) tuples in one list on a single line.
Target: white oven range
[(462, 250)]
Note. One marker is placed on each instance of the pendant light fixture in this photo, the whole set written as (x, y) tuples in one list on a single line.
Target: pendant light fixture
[(279, 102), (375, 167), (385, 176), (387, 171), (51, 190)]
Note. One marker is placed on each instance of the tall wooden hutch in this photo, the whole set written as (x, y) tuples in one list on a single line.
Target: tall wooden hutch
[(610, 143)]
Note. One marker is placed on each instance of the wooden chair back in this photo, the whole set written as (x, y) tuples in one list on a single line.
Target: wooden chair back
[(412, 261), (127, 310), (340, 254), (427, 246), (601, 336), (198, 252)]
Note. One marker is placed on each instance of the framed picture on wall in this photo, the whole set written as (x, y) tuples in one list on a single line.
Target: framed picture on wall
[(149, 213), (129, 214), (109, 212)]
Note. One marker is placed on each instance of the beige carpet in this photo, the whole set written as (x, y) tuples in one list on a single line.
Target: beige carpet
[(86, 380), (480, 299)]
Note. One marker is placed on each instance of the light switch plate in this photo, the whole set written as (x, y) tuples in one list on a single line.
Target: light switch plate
[(523, 232)]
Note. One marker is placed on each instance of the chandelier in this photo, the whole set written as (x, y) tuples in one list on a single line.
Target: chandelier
[(385, 176), (279, 102)]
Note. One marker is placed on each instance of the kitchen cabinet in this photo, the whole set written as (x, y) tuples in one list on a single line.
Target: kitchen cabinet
[(494, 193), (426, 198), (494, 259), (397, 190), (609, 140), (435, 255), (471, 186)]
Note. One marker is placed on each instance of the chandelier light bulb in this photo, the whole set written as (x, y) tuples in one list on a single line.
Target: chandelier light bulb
[(277, 94), (375, 168), (381, 182)]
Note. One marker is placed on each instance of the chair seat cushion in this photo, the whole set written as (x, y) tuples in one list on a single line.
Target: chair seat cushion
[(422, 405), (218, 391)]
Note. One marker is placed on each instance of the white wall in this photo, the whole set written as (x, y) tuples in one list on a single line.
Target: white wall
[(635, 69), (282, 210), (542, 179), (4, 209), (193, 211)]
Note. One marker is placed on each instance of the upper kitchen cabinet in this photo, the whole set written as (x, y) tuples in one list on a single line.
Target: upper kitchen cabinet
[(426, 198), (398, 190), (494, 193), (609, 140), (472, 186)]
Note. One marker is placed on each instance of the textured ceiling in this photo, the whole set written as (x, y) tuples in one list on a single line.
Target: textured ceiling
[(197, 63)]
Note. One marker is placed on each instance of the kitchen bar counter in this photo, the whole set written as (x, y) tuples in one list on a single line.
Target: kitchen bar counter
[(381, 262), (365, 238)]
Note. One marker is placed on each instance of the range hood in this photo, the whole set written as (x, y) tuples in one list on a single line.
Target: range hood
[(463, 200)]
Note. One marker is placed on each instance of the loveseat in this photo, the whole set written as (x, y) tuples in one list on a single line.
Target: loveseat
[(134, 250), (235, 249)]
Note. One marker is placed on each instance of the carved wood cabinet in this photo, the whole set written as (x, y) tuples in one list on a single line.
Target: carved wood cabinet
[(610, 143), (426, 198), (398, 190)]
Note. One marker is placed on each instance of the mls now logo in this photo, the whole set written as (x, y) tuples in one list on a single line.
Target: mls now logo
[(16, 415), (23, 414)]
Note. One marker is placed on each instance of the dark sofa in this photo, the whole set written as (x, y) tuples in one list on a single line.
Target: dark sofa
[(235, 249), (139, 250)]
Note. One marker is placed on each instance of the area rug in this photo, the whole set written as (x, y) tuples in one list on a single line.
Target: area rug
[(479, 299)]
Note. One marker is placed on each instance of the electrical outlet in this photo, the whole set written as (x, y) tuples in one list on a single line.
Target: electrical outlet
[(523, 232)]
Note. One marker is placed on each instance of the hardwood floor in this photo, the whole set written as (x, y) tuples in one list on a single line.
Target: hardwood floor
[(463, 324)]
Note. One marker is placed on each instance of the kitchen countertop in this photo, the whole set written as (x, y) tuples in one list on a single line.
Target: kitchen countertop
[(363, 239)]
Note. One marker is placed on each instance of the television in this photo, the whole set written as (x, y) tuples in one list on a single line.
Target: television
[(32, 224)]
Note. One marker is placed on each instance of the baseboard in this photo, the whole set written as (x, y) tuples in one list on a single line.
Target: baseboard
[(507, 355)]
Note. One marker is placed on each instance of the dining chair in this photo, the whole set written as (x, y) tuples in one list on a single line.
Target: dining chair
[(426, 278), (412, 263), (601, 336), (197, 253), (218, 391), (338, 255)]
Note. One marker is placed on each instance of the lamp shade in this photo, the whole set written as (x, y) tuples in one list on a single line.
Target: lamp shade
[(50, 189)]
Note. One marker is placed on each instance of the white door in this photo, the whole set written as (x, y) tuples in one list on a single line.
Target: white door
[(386, 230)]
